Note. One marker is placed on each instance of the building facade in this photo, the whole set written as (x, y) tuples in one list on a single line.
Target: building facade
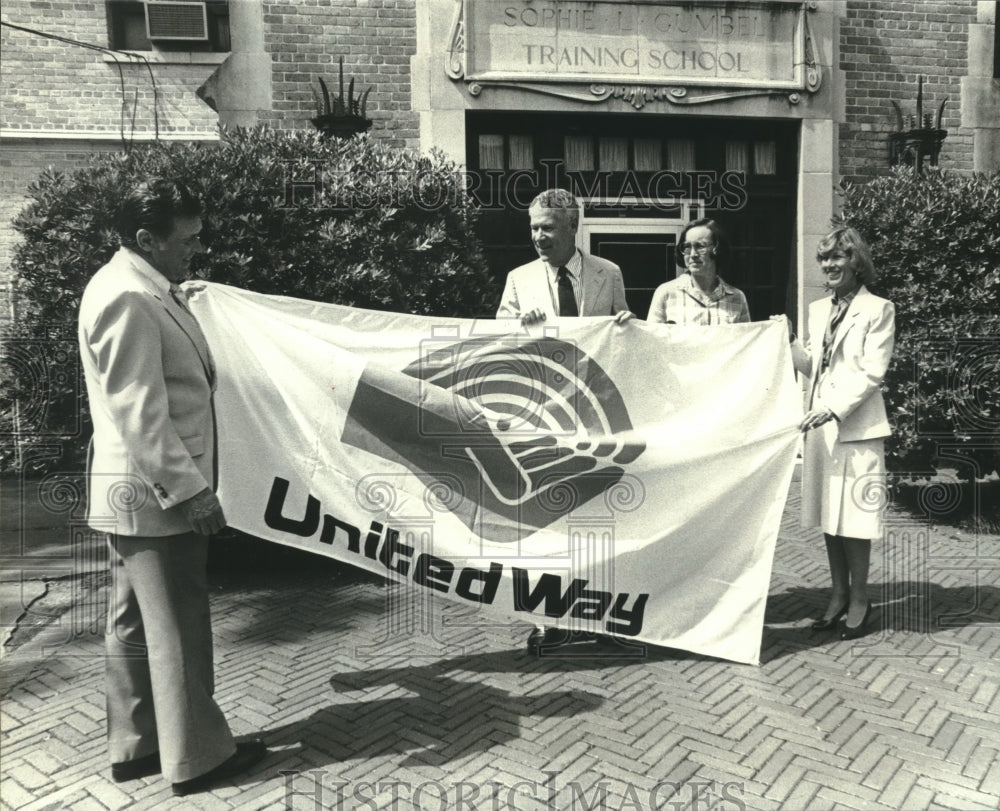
[(653, 111)]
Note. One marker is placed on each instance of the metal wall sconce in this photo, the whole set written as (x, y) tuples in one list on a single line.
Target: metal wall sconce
[(917, 137), (341, 115)]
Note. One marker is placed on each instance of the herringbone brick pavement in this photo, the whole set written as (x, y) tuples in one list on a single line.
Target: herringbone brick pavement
[(373, 696)]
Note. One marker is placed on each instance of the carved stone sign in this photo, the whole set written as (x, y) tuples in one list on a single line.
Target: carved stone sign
[(619, 48)]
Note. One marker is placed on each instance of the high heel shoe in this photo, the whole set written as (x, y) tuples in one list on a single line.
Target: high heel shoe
[(857, 631), (827, 624)]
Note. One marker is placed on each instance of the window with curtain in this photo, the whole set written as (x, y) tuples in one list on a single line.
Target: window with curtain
[(491, 152), (522, 152), (648, 154), (680, 155), (765, 158), (613, 154), (737, 156), (579, 151)]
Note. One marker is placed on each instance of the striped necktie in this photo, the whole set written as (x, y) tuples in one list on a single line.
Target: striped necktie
[(836, 316), (567, 299)]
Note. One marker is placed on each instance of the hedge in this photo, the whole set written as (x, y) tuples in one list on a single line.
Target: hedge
[(352, 222), (935, 241)]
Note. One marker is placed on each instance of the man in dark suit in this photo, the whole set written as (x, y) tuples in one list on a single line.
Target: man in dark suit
[(150, 380), (563, 282)]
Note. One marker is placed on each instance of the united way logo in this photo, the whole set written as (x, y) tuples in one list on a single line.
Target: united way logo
[(516, 433)]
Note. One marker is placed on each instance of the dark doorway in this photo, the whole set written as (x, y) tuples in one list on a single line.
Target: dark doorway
[(642, 177)]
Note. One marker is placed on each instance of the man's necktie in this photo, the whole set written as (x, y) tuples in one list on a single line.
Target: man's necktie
[(179, 299), (836, 316), (567, 301)]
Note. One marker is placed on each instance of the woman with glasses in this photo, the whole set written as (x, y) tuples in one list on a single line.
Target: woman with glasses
[(851, 338), (699, 296)]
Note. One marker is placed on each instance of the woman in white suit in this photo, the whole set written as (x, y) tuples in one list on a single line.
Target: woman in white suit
[(851, 337)]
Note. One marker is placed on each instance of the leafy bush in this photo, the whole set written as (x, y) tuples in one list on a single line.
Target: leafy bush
[(352, 222), (936, 245)]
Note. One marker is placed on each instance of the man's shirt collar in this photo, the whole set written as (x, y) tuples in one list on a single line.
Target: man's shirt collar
[(574, 265), (161, 282)]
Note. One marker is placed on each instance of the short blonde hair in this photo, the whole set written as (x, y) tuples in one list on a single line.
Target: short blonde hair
[(853, 245)]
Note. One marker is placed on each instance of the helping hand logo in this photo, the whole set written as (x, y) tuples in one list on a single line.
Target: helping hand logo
[(532, 428)]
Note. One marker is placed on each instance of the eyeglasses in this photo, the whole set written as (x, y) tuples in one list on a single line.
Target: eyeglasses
[(701, 247)]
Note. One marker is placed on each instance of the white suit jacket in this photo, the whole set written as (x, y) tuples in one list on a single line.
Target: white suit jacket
[(862, 348), (527, 288), (149, 381)]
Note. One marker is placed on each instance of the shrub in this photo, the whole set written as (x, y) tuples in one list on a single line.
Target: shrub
[(352, 222), (936, 244)]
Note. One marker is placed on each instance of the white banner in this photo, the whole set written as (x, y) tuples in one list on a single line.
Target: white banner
[(627, 480)]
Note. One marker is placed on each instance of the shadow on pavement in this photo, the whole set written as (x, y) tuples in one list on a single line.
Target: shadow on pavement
[(915, 607), (446, 718)]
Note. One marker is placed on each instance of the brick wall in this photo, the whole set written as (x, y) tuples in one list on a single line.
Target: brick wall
[(376, 39), (884, 46), (60, 103), (47, 85)]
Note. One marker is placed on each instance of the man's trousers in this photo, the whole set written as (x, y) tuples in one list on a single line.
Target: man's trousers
[(160, 677)]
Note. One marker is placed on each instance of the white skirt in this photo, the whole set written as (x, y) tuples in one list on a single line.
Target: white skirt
[(843, 484)]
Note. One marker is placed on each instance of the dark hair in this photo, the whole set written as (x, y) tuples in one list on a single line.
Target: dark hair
[(723, 251), (155, 205), (854, 247)]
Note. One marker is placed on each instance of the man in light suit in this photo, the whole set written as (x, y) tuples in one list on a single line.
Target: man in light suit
[(563, 282), (150, 379)]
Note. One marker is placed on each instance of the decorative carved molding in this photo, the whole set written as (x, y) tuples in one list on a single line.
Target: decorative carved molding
[(592, 94), (813, 73), (455, 67), (637, 95)]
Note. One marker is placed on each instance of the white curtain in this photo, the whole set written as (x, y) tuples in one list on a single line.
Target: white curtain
[(491, 152), (680, 155), (522, 152), (579, 151), (737, 156), (765, 157), (613, 154), (648, 154)]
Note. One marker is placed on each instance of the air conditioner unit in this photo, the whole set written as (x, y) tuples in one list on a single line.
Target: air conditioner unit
[(176, 19)]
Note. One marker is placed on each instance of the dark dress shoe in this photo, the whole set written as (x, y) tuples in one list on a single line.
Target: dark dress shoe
[(546, 638), (247, 755), (144, 766), (857, 631), (828, 624)]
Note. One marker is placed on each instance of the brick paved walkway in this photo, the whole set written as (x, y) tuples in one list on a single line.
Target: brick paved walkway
[(371, 697)]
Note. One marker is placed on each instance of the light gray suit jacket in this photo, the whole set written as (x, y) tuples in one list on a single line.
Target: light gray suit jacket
[(149, 380), (527, 288), (862, 348)]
